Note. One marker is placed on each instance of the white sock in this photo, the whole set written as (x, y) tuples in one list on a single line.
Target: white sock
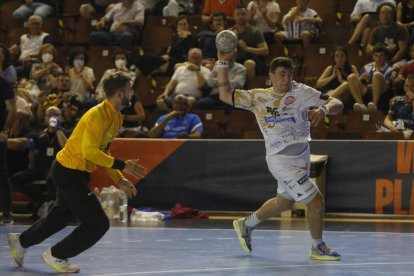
[(316, 242), (252, 220)]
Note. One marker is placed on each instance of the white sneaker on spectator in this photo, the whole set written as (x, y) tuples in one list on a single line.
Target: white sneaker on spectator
[(62, 266), (372, 107), (360, 107)]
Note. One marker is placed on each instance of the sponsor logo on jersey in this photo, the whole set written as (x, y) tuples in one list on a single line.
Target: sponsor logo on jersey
[(278, 119), (303, 179), (272, 110), (290, 100)]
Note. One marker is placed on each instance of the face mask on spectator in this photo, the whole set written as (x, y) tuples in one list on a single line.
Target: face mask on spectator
[(78, 63), (47, 57), (119, 63)]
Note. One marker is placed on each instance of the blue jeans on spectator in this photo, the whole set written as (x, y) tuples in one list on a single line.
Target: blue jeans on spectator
[(40, 9), (209, 102), (5, 187), (101, 38)]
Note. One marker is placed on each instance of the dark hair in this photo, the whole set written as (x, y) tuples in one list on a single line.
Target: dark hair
[(380, 48), (394, 11), (115, 82), (63, 74), (75, 52), (6, 61), (240, 6), (221, 14), (284, 62), (347, 67), (121, 52), (180, 18)]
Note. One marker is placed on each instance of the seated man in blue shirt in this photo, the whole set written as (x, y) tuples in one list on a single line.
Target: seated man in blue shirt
[(178, 123)]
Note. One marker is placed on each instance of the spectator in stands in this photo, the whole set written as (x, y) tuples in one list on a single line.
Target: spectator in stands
[(405, 70), (252, 44), (42, 151), (393, 35), (7, 70), (333, 80), (81, 76), (133, 116), (97, 7), (301, 22), (7, 117), (28, 45), (365, 17), (120, 59), (405, 17), (178, 123), (17, 151), (237, 76), (206, 40), (46, 71), (54, 97), (71, 108), (182, 41), (211, 6), (264, 15), (42, 8), (400, 116), (189, 80), (374, 80), (126, 18)]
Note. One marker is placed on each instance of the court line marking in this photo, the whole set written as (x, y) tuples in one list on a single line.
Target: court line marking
[(247, 267)]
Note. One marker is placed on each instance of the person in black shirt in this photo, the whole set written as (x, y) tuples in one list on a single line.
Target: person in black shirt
[(7, 114)]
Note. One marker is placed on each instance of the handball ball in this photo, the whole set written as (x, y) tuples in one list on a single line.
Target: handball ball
[(226, 41)]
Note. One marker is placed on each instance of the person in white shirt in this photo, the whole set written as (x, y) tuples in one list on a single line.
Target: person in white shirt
[(284, 113), (264, 15), (188, 79), (126, 18)]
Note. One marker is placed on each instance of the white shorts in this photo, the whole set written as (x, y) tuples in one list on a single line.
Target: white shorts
[(293, 176)]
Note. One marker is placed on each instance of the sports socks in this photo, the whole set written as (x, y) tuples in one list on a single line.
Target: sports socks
[(316, 242), (252, 220)]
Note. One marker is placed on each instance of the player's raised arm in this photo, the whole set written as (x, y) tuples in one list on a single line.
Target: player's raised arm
[(224, 87)]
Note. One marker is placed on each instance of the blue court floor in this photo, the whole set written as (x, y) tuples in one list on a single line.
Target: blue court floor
[(194, 249)]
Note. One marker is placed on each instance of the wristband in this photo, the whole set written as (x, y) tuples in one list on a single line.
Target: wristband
[(118, 164), (325, 109), (222, 64)]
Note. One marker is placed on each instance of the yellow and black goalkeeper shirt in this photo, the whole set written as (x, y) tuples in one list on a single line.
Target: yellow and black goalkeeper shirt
[(87, 147)]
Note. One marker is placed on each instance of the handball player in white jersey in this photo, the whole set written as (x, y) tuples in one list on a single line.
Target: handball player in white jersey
[(284, 113)]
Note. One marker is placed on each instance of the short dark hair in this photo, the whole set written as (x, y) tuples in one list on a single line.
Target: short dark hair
[(114, 82), (380, 48), (284, 62), (77, 51), (388, 4), (219, 14), (121, 52), (240, 6)]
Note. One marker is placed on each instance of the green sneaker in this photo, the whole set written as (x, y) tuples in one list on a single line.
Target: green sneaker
[(244, 233)]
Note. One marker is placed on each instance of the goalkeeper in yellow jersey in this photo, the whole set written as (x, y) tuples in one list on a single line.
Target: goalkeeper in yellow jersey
[(84, 151)]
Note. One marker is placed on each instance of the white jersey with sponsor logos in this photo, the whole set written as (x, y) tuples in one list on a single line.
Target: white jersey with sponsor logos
[(282, 119)]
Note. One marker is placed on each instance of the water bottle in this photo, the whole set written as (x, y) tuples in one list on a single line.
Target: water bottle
[(141, 216), (107, 202), (123, 207)]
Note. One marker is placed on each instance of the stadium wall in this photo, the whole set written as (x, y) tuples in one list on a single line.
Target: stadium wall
[(361, 176)]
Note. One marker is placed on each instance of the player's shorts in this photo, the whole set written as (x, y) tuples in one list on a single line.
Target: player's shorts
[(293, 176)]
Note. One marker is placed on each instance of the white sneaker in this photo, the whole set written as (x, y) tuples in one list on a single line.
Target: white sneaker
[(63, 266), (360, 107), (16, 249), (372, 107)]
